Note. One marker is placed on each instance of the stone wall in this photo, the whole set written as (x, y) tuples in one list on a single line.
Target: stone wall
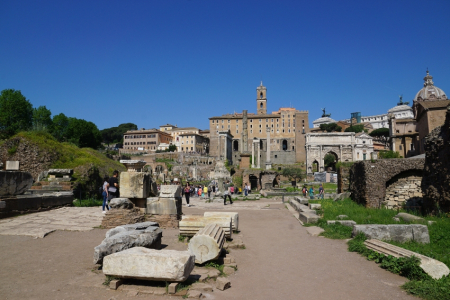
[(117, 217), (404, 190), (436, 175), (21, 204), (343, 180), (368, 180)]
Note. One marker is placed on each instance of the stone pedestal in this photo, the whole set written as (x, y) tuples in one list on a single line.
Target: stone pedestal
[(135, 185), (163, 206)]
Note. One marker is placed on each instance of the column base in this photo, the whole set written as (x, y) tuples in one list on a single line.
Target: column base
[(268, 166)]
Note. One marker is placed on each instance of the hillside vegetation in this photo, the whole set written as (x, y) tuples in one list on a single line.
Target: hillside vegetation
[(39, 151)]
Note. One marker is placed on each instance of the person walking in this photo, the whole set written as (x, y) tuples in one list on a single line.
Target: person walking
[(205, 191), (199, 190), (209, 192), (187, 193), (113, 186), (321, 192), (105, 193), (246, 189), (311, 193), (226, 193)]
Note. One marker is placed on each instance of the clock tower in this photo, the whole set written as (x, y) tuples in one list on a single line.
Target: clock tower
[(261, 100)]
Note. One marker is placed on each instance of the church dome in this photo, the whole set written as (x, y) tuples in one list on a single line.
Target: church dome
[(429, 91)]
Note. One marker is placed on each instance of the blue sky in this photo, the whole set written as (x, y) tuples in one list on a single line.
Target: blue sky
[(181, 62)]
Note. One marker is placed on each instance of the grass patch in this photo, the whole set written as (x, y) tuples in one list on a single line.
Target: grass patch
[(181, 238), (108, 280), (87, 202), (215, 266)]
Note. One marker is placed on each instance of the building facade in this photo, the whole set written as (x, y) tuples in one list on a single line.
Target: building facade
[(144, 140), (287, 128)]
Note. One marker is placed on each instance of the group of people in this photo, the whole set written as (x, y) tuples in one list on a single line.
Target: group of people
[(310, 192)]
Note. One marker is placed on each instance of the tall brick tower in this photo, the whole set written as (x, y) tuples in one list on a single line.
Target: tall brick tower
[(261, 100)]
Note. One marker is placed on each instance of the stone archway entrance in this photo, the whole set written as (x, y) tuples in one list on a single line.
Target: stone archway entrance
[(330, 166), (315, 166), (253, 181)]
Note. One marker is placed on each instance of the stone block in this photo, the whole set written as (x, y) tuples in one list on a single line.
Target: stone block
[(150, 264), (60, 171), (194, 294), (151, 226), (114, 284), (172, 289), (126, 240), (12, 166), (203, 287), (233, 215), (228, 270), (315, 206), (163, 206), (222, 283), (14, 182), (409, 218), (307, 217), (348, 223), (135, 184), (399, 233), (170, 191), (121, 203)]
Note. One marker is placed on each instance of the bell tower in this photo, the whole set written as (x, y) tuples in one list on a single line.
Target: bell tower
[(261, 100)]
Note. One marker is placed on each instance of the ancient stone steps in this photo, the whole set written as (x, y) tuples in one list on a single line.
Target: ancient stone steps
[(432, 267)]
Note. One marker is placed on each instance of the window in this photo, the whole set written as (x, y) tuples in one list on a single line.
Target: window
[(400, 147), (261, 105), (251, 126)]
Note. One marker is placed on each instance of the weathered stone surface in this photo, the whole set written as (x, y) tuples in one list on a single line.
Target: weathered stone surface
[(432, 267), (129, 227), (369, 179), (164, 221), (222, 283), (194, 294), (409, 218), (118, 217), (233, 215), (60, 171), (228, 270), (314, 230), (14, 182), (315, 206), (436, 179), (307, 217), (170, 191), (172, 289), (150, 264), (121, 203), (207, 243), (135, 184), (203, 287), (163, 206), (348, 223), (301, 200), (399, 233), (342, 196), (190, 225), (126, 240)]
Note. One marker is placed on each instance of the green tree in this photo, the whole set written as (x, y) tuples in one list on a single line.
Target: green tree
[(294, 174), (172, 148), (16, 113), (329, 159), (42, 119), (60, 126), (388, 154), (330, 127), (115, 134), (83, 133), (380, 132), (355, 128)]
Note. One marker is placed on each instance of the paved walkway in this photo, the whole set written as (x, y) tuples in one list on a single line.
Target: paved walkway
[(38, 225)]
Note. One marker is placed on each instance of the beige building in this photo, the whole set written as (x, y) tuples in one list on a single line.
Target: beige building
[(193, 142), (144, 140), (286, 126)]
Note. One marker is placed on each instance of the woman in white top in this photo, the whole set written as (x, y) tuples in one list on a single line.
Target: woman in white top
[(105, 193)]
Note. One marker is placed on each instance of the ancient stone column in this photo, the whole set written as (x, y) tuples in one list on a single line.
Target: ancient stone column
[(207, 243), (253, 155), (244, 131), (190, 225), (259, 155), (233, 215), (268, 162)]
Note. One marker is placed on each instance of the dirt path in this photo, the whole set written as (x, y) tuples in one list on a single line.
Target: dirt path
[(281, 261)]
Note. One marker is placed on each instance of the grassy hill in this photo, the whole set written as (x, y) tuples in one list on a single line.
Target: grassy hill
[(39, 151)]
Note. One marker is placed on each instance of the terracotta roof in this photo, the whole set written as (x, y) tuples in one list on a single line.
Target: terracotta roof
[(434, 104)]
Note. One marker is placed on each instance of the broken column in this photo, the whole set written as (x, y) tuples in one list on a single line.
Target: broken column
[(190, 225), (150, 264), (207, 243), (233, 215)]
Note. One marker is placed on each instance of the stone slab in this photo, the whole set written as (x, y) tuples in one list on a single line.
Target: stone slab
[(308, 218), (314, 230), (409, 218), (348, 223), (233, 215), (222, 283), (399, 233), (60, 171), (432, 267), (315, 206), (135, 184), (163, 206), (150, 264), (170, 191), (12, 166), (14, 182)]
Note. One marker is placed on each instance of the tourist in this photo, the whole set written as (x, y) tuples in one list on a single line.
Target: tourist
[(113, 186), (209, 191), (205, 191), (187, 193), (226, 193), (231, 189), (246, 189), (199, 190), (311, 192), (105, 193), (304, 191), (196, 191), (321, 192)]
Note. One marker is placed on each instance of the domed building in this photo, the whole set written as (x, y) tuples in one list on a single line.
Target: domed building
[(429, 108)]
